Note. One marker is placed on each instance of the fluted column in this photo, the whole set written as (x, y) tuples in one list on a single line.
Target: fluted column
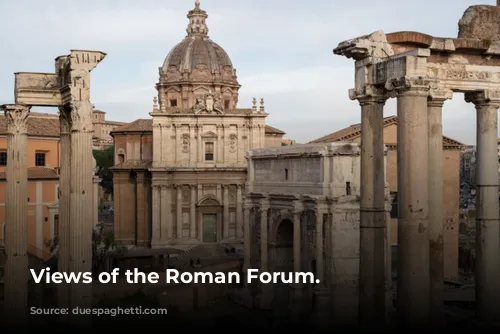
[(372, 211), (179, 211), (80, 250), (436, 202), (192, 212), (226, 211), (247, 235), (239, 212), (157, 213), (16, 205), (487, 218), (64, 202), (413, 198)]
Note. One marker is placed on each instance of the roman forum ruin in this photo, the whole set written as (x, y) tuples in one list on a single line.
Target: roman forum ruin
[(423, 72), (69, 90)]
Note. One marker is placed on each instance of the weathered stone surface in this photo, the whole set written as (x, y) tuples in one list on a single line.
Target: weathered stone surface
[(480, 22)]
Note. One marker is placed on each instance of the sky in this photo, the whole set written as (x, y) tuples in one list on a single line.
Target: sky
[(282, 51)]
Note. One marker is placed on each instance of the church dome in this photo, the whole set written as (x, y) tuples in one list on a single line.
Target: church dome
[(197, 57)]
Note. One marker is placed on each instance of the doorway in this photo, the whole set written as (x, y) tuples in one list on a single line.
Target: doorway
[(209, 227)]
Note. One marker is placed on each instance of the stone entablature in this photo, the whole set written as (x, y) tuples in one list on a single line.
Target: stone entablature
[(302, 213)]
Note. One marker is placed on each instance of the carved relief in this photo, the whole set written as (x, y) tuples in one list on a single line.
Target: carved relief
[(209, 103), (173, 74), (17, 118), (233, 143), (81, 116), (185, 143)]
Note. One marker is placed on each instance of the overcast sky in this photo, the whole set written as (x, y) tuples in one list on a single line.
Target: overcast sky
[(282, 51)]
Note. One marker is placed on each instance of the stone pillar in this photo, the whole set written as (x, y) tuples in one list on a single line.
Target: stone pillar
[(142, 214), (413, 198), (239, 212), (64, 202), (264, 254), (16, 223), (321, 293), (372, 211), (165, 207), (177, 142), (487, 218), (179, 211), (247, 236), (156, 206), (436, 202), (192, 212), (167, 212), (80, 250), (225, 215), (192, 138), (297, 300)]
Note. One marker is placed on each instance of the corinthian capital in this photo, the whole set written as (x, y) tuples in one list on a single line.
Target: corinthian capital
[(369, 94), (81, 116), (17, 118)]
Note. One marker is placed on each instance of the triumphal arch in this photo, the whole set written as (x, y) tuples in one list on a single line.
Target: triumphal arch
[(423, 72), (69, 90)]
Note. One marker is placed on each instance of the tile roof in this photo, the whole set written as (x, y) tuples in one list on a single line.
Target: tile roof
[(354, 131), (38, 173), (39, 125), (146, 125)]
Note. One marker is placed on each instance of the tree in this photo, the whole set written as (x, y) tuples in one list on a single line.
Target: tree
[(105, 159)]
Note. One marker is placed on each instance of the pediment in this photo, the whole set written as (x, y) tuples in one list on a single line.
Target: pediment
[(209, 200), (209, 134), (201, 88), (172, 88)]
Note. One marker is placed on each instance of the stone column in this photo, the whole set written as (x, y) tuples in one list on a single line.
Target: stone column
[(225, 215), (177, 142), (247, 236), (179, 211), (487, 218), (80, 250), (436, 202), (168, 212), (165, 208), (192, 212), (156, 222), (297, 302), (413, 198), (372, 211), (16, 224), (239, 211), (321, 293), (64, 202), (266, 291), (192, 151)]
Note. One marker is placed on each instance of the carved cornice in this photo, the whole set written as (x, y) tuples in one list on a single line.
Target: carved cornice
[(17, 118), (408, 86), (486, 98), (81, 116)]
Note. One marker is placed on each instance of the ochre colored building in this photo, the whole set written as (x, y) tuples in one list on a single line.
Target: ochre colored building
[(451, 152), (43, 153)]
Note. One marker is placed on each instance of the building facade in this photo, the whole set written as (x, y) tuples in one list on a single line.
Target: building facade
[(180, 176), (102, 138), (303, 213), (43, 156), (451, 184)]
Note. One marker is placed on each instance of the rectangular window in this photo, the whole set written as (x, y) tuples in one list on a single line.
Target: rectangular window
[(209, 151), (394, 208), (40, 159), (348, 188), (173, 103), (226, 104), (3, 158)]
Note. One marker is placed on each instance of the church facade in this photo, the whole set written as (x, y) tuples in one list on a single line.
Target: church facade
[(180, 175)]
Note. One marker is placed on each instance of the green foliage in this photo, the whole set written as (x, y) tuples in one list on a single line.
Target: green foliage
[(105, 159)]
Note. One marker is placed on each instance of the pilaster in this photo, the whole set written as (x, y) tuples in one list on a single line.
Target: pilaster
[(179, 221), (225, 218), (192, 212), (239, 211), (157, 207)]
